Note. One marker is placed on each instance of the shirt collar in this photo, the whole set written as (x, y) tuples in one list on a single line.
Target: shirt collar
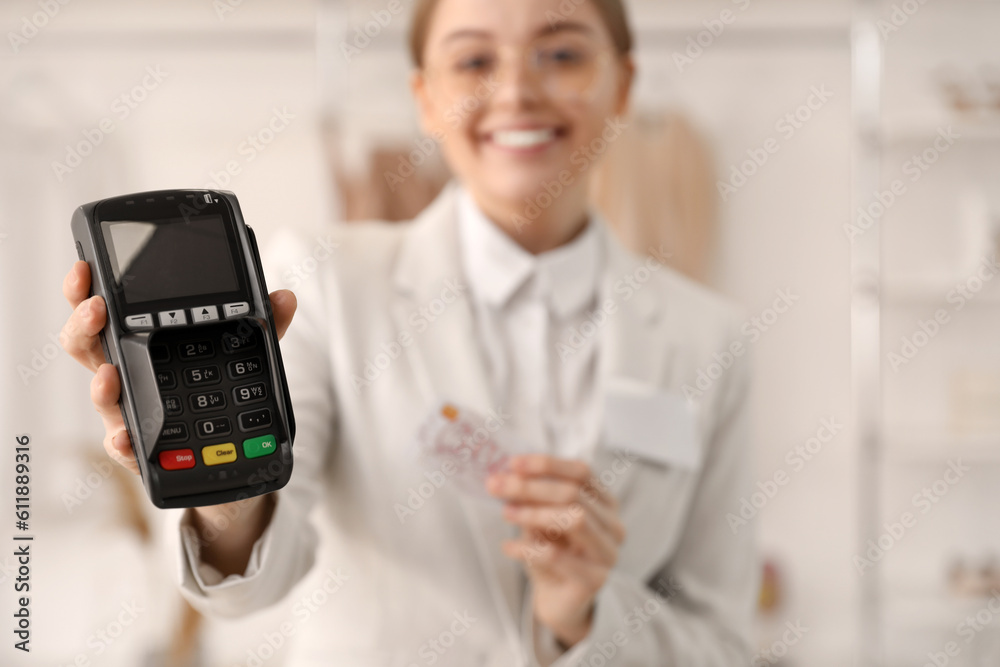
[(497, 267)]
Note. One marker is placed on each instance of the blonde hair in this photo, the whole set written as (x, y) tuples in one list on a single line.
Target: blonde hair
[(612, 11)]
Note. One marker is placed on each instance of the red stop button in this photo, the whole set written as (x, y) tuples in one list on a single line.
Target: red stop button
[(177, 459)]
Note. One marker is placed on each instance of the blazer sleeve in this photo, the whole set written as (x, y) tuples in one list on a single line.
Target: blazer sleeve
[(286, 551), (697, 610)]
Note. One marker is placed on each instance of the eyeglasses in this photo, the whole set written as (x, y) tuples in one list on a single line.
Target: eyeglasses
[(565, 67)]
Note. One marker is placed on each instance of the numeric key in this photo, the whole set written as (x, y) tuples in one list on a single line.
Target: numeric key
[(209, 400), (211, 428), (244, 368), (202, 375), (198, 349), (250, 393)]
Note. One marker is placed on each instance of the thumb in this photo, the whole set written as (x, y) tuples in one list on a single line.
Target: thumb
[(283, 305)]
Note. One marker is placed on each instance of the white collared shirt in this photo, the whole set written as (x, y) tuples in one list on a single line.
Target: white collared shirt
[(526, 308)]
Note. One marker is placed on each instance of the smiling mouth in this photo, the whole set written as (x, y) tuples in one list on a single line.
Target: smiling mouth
[(524, 139)]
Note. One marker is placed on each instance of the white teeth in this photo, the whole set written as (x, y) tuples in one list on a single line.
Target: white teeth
[(523, 138)]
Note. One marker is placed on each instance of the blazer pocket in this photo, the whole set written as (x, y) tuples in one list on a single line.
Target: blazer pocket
[(657, 425)]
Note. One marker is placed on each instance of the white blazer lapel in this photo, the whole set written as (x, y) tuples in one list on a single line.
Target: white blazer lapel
[(434, 302), (635, 344)]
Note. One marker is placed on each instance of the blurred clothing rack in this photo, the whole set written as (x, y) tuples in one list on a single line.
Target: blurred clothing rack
[(283, 39), (763, 37), (668, 37), (173, 39)]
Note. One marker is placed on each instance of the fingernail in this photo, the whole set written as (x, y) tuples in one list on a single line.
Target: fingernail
[(119, 441), (494, 483)]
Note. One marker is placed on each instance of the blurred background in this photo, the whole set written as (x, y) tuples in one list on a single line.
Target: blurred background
[(845, 154)]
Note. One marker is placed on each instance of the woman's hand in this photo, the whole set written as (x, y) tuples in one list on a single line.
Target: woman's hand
[(80, 337), (570, 536), (228, 531)]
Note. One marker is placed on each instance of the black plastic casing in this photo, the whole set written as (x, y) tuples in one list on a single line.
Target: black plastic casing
[(130, 351)]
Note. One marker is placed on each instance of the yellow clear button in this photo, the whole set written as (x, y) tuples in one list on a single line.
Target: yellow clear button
[(213, 455)]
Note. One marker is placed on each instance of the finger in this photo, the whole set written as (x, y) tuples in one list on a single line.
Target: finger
[(572, 524), (105, 389), (597, 499), (606, 514), (80, 335), (543, 465), (555, 561), (597, 542), (76, 284), (595, 492), (283, 305), (534, 552), (516, 488), (119, 448)]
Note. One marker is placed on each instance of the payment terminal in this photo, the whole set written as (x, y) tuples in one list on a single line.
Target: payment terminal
[(190, 331)]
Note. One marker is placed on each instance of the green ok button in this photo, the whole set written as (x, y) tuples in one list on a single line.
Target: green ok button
[(262, 446)]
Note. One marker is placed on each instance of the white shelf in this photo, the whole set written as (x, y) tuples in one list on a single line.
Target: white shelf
[(980, 126), (918, 447), (928, 608), (933, 291)]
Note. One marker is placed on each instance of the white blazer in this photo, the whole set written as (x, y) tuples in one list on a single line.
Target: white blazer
[(378, 334)]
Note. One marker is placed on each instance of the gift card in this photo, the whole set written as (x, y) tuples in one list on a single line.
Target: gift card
[(465, 446)]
